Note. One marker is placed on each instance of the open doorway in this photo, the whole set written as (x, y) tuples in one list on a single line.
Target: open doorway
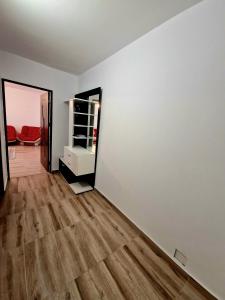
[(28, 128)]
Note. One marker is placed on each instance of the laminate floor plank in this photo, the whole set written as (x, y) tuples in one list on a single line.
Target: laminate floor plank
[(34, 181), (44, 272), (7, 204), (74, 261), (79, 249), (58, 181), (12, 229), (47, 219), (91, 204), (98, 283), (12, 186), (12, 274), (132, 280), (115, 232), (25, 160), (40, 222), (71, 293), (78, 209), (167, 279), (18, 202), (189, 292), (31, 199)]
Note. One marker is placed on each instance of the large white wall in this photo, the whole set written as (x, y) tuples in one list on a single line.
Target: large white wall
[(28, 101), (64, 86), (162, 138)]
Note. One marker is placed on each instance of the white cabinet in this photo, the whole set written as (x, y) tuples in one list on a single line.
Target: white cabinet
[(79, 160)]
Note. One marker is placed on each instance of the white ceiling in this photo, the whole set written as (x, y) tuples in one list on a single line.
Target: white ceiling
[(74, 35)]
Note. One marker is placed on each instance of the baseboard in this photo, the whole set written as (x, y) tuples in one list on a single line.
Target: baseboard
[(164, 254)]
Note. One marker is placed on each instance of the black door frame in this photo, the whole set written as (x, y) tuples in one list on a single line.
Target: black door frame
[(86, 95), (2, 188), (50, 111)]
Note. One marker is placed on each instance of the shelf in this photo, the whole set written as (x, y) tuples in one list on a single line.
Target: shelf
[(80, 187), (83, 100), (78, 113), (80, 151), (82, 138), (77, 125)]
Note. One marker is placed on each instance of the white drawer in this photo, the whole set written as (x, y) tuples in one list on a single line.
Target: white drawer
[(74, 164), (67, 154), (67, 159), (79, 160)]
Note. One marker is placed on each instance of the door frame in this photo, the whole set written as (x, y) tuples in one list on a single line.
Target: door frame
[(50, 112), (2, 188)]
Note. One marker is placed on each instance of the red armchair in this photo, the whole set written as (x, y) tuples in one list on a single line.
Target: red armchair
[(29, 134), (11, 134)]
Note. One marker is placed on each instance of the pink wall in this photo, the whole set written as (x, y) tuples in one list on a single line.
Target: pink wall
[(22, 106)]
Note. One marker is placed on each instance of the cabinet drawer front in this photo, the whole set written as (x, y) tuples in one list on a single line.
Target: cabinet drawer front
[(67, 160), (74, 164), (68, 157), (85, 165), (79, 164), (67, 154)]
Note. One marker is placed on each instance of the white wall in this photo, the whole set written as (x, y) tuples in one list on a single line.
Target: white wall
[(28, 102), (162, 138), (64, 86)]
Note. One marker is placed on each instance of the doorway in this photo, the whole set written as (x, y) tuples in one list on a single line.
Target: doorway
[(28, 128)]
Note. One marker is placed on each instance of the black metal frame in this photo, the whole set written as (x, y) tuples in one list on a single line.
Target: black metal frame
[(86, 95), (50, 111)]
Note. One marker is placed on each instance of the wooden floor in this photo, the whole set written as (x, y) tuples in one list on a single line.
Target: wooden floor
[(55, 245), (24, 161)]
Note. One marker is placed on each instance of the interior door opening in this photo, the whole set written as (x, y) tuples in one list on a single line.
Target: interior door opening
[(28, 128)]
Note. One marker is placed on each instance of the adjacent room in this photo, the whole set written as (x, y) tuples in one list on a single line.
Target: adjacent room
[(23, 115), (112, 150)]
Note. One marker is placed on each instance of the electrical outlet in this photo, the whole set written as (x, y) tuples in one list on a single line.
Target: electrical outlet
[(180, 257)]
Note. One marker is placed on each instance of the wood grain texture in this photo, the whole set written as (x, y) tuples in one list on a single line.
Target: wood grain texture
[(12, 274), (12, 229), (25, 161), (70, 293), (44, 270), (56, 245), (98, 283)]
